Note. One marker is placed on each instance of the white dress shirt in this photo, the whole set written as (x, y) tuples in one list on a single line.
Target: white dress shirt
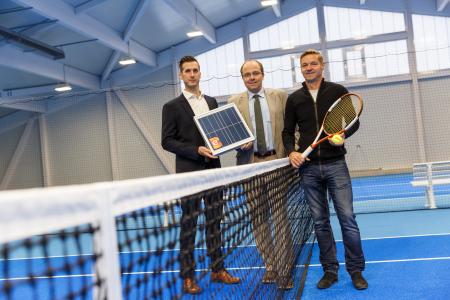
[(198, 104)]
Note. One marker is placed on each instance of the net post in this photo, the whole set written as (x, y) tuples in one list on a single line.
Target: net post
[(108, 267), (430, 190)]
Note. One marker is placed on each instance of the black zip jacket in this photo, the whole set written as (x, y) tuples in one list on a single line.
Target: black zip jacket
[(302, 111)]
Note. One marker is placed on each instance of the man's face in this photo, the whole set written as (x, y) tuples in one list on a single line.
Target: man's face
[(252, 76), (190, 74), (311, 67)]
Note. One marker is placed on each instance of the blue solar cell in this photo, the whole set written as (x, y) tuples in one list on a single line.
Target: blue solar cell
[(223, 129)]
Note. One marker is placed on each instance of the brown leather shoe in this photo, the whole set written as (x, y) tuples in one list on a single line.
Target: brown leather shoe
[(190, 286), (285, 283), (269, 277), (224, 277)]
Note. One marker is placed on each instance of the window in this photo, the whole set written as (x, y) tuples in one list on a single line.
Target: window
[(432, 42), (301, 29), (220, 69), (346, 23), (278, 71), (368, 61)]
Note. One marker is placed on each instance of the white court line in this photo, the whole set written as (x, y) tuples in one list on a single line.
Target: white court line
[(391, 261), (403, 236), (240, 246), (232, 268)]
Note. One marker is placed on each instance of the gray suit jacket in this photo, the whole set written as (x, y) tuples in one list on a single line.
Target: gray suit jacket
[(276, 99)]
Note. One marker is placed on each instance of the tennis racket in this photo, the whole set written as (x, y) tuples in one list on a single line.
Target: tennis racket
[(339, 118)]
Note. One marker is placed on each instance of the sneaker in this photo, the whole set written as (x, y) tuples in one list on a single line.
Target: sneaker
[(327, 280), (359, 282)]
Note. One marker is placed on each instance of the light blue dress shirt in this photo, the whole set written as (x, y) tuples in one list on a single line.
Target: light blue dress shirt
[(266, 119)]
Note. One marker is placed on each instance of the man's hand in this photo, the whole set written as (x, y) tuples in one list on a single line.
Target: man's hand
[(296, 159), (203, 151), (247, 146)]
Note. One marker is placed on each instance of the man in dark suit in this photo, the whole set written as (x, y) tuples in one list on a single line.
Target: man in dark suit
[(181, 137)]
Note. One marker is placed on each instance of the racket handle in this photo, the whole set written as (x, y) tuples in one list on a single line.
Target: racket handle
[(307, 152)]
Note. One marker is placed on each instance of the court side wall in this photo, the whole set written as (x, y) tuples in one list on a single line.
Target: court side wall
[(115, 136)]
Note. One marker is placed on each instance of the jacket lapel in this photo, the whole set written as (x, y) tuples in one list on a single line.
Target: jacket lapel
[(186, 106), (272, 102), (244, 109)]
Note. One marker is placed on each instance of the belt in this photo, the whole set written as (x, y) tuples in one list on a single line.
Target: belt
[(265, 154)]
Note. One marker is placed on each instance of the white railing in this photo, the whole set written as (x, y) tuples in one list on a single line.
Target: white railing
[(430, 174)]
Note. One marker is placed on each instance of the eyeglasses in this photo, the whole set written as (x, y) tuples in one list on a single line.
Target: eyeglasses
[(249, 75)]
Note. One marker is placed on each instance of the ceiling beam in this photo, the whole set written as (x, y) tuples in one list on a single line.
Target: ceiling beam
[(137, 14), (277, 10), (88, 26), (32, 31), (20, 99), (441, 4), (84, 7), (191, 14), (13, 57), (29, 42)]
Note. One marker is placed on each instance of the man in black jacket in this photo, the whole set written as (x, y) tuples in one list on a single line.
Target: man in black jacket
[(181, 137), (324, 171)]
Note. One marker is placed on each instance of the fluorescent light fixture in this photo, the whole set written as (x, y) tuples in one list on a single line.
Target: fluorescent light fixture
[(64, 87), (127, 61), (269, 2), (194, 33)]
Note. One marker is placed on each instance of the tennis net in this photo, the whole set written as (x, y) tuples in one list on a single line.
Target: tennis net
[(121, 240)]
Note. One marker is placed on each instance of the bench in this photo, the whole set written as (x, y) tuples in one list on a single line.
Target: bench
[(430, 174)]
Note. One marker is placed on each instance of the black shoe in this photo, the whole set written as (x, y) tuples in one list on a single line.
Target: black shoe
[(327, 280), (359, 282)]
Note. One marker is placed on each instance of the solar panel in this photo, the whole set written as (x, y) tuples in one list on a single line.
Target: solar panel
[(223, 129)]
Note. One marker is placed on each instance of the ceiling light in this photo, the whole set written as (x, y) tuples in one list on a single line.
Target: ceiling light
[(127, 61), (194, 33), (269, 2), (63, 87)]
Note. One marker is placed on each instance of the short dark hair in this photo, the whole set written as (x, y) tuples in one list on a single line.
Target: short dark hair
[(313, 52), (261, 67), (186, 59)]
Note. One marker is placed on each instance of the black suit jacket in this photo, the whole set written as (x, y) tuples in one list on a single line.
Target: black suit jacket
[(181, 136)]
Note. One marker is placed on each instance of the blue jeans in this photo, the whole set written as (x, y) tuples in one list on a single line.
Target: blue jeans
[(334, 177)]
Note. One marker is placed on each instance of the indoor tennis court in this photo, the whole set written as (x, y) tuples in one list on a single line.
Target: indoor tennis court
[(113, 114)]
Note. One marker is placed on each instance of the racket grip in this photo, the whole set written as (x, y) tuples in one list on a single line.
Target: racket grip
[(307, 152)]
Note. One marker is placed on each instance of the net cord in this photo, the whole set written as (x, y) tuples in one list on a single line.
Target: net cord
[(25, 213)]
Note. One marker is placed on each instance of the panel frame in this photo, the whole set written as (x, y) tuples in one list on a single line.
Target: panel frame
[(229, 147)]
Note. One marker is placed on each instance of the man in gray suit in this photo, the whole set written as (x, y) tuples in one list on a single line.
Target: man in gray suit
[(263, 111)]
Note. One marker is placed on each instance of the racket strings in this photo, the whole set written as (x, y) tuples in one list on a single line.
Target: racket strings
[(342, 114)]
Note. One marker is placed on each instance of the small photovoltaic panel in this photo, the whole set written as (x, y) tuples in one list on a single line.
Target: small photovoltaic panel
[(223, 129)]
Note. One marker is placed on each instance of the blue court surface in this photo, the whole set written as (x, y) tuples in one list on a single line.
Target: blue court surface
[(407, 254), (407, 257)]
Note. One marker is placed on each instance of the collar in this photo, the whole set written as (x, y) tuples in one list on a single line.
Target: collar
[(321, 84), (189, 95), (261, 94)]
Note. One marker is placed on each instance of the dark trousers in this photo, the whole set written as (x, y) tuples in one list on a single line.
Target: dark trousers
[(213, 211), (334, 177)]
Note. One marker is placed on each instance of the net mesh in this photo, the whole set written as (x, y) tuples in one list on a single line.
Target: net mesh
[(247, 225), (59, 265)]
